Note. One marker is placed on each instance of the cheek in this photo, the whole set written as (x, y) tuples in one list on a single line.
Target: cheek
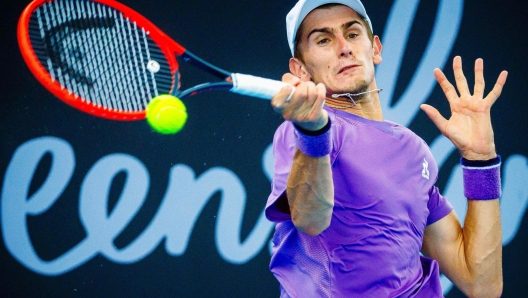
[(318, 69), (370, 53)]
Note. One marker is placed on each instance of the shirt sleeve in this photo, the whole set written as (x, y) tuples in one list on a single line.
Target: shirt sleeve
[(277, 208), (438, 206)]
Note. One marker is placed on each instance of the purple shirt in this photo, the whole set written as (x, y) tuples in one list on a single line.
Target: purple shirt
[(384, 197)]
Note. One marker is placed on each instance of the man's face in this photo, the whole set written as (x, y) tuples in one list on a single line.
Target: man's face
[(337, 51)]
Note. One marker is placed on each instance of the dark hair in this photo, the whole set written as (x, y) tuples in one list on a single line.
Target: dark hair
[(296, 49)]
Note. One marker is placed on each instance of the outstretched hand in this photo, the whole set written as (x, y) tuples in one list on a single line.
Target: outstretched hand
[(469, 127)]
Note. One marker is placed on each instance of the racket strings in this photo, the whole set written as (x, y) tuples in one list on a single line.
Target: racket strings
[(97, 54)]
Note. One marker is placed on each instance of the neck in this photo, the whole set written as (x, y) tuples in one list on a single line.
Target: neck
[(366, 105)]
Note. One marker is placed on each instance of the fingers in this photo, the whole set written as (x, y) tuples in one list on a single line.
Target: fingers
[(306, 103), (316, 118), (305, 107), (461, 82), (479, 78), (436, 117), (321, 95), (318, 103), (460, 79), (447, 87), (278, 102), (497, 89), (301, 103)]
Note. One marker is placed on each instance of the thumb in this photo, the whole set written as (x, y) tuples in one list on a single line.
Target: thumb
[(291, 79), (278, 101), (435, 116)]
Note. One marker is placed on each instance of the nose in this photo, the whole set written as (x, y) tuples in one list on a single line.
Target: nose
[(344, 47)]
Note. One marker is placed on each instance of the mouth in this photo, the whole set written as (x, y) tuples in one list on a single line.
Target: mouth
[(346, 68)]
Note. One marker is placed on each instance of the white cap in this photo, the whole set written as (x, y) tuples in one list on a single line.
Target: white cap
[(304, 7)]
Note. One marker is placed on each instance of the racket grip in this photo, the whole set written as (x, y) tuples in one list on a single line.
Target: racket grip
[(256, 86)]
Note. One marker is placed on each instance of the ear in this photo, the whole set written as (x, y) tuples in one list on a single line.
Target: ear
[(376, 45), (298, 68)]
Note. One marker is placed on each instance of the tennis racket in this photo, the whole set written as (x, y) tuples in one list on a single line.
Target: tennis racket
[(105, 59)]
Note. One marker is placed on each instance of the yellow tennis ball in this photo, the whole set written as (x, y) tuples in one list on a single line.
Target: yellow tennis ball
[(166, 114)]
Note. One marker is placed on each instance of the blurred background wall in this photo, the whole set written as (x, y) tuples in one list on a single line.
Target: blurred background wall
[(92, 207)]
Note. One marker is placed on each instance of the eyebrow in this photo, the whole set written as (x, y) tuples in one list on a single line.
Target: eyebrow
[(329, 30)]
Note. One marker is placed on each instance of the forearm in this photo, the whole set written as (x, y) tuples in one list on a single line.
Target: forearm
[(471, 256), (482, 235), (482, 230), (310, 193)]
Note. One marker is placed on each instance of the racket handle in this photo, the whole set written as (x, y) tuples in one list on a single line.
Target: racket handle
[(256, 86)]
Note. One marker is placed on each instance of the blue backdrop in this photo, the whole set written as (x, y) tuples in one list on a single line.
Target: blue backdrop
[(92, 207)]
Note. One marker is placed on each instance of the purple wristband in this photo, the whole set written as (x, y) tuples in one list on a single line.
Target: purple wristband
[(482, 179), (317, 144)]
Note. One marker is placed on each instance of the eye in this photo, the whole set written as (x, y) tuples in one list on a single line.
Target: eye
[(352, 35), (323, 41)]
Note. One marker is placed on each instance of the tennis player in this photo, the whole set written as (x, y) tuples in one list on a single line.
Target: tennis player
[(354, 195)]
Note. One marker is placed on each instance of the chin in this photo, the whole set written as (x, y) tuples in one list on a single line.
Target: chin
[(356, 89)]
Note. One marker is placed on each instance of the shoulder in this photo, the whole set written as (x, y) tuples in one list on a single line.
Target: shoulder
[(407, 132)]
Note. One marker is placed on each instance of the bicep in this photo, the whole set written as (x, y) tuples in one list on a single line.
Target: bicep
[(443, 241)]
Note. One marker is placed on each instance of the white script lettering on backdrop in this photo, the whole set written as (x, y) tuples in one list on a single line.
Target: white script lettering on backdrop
[(187, 195), (182, 204)]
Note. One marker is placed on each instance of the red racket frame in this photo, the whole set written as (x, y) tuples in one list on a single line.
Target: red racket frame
[(168, 46)]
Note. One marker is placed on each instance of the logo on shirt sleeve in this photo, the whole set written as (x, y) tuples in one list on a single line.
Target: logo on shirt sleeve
[(425, 171)]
